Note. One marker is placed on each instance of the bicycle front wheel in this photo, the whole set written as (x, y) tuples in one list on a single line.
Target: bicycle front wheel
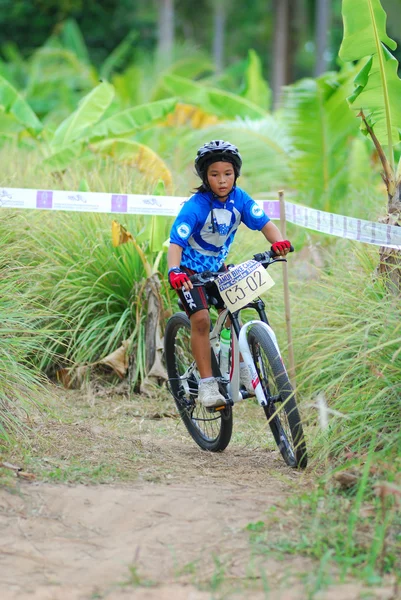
[(281, 410), (210, 430)]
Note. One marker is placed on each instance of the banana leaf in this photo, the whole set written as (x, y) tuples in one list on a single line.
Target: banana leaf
[(6, 72), (156, 229), (118, 56), (54, 64), (89, 111), (9, 126), (190, 67), (83, 185), (361, 174), (14, 69), (11, 102), (12, 53), (321, 130), (256, 87), (190, 116), (159, 233), (218, 102), (364, 29), (377, 85), (128, 86), (139, 156), (231, 78), (59, 160), (127, 121), (52, 103), (72, 39), (57, 80)]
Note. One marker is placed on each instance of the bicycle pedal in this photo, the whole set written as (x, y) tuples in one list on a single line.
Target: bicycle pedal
[(218, 408)]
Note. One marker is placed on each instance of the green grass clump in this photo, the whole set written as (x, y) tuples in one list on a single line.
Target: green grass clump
[(22, 337), (92, 287), (22, 167), (348, 333), (94, 293), (347, 533)]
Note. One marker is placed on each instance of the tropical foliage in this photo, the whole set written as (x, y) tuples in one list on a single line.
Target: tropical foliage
[(74, 298), (133, 119), (377, 85), (376, 93), (21, 330), (123, 19), (137, 131)]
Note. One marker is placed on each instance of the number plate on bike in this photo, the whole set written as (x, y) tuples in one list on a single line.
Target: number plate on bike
[(243, 283)]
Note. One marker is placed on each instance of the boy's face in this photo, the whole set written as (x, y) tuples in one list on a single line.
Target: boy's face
[(221, 178)]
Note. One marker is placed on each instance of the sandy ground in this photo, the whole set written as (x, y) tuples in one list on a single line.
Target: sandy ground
[(174, 529), (148, 541), (76, 542)]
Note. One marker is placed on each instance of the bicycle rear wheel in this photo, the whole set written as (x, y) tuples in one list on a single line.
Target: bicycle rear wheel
[(210, 430), (281, 410)]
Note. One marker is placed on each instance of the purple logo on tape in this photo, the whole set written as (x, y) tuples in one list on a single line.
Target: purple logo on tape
[(119, 203), (44, 199), (272, 208)]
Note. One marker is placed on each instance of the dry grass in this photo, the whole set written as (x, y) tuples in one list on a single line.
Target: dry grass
[(99, 435)]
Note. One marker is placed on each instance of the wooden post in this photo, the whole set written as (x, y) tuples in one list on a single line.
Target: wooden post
[(283, 227)]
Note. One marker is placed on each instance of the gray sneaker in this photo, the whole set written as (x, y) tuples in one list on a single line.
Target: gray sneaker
[(245, 380), (209, 395)]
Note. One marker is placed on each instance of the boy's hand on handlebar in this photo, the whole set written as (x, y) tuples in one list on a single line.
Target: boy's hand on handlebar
[(179, 279), (281, 248)]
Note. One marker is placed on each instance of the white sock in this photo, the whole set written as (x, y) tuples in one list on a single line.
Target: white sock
[(207, 379)]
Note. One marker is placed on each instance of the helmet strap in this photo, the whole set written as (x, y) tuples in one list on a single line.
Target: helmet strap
[(207, 186)]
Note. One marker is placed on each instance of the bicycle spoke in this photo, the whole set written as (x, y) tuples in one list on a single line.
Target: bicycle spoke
[(207, 428), (281, 410)]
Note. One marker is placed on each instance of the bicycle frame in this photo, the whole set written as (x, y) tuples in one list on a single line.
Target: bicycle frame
[(256, 344), (247, 356), (239, 345)]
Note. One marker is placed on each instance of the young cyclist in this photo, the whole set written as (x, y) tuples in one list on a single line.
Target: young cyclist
[(200, 239)]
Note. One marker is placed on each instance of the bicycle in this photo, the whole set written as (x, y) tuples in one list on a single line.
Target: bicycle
[(240, 287)]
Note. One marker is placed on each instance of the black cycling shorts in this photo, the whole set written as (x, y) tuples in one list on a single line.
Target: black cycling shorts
[(197, 298)]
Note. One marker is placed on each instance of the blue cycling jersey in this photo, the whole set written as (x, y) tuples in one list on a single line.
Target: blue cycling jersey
[(206, 243)]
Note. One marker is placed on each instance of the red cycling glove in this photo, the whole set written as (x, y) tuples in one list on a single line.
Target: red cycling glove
[(177, 278), (278, 247)]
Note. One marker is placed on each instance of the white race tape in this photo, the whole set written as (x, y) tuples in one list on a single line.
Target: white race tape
[(90, 202), (338, 225), (368, 232)]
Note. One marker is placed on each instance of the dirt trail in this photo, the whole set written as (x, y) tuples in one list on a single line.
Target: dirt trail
[(71, 542), (174, 529)]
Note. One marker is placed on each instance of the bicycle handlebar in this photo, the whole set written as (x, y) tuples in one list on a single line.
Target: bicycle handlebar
[(265, 258), (270, 256)]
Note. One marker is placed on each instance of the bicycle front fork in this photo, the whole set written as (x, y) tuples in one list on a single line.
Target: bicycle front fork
[(243, 347)]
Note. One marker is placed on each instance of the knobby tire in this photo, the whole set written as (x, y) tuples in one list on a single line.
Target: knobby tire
[(210, 430), (281, 411)]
